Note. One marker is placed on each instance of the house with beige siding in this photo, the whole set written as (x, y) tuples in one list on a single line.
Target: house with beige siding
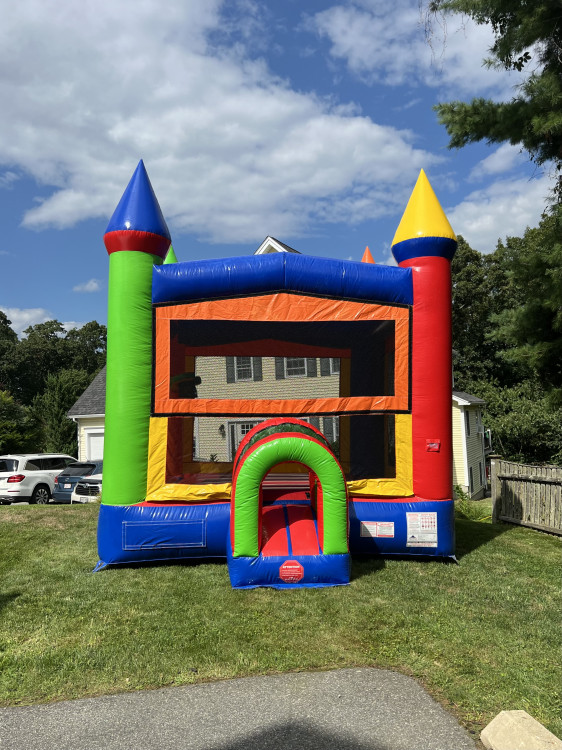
[(471, 444), (217, 438)]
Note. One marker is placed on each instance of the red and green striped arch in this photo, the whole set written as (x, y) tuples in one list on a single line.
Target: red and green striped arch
[(278, 441)]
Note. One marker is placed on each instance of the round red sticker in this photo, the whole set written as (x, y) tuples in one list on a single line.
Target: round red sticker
[(291, 571)]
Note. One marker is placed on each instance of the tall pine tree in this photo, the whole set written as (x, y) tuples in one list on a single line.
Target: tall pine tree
[(528, 38)]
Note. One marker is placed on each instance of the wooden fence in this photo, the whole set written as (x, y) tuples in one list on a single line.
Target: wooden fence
[(527, 495)]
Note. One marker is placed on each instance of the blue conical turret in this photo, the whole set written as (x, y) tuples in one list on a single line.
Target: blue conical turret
[(137, 223)]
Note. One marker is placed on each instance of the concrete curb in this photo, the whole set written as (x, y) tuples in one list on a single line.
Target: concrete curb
[(517, 730)]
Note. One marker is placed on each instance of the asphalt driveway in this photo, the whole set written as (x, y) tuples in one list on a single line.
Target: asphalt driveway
[(349, 709)]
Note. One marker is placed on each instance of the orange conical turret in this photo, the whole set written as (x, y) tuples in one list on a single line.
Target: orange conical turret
[(367, 257)]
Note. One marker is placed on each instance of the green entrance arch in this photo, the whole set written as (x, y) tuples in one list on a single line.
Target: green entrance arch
[(254, 466)]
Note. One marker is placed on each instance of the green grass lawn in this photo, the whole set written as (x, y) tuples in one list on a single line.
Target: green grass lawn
[(481, 636)]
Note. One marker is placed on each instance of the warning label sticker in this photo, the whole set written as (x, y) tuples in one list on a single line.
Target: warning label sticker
[(291, 571), (377, 529), (421, 529)]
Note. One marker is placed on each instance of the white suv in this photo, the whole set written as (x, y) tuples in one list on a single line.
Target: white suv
[(30, 476)]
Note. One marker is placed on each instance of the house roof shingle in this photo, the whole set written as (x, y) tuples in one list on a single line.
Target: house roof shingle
[(468, 398), (92, 401)]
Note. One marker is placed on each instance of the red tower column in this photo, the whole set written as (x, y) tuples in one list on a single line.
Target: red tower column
[(432, 439), (425, 242)]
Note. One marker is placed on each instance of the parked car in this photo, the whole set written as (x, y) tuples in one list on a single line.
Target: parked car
[(69, 477), (30, 476), (87, 490)]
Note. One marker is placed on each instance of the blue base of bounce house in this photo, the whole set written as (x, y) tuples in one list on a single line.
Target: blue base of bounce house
[(148, 533), (281, 572), (420, 528)]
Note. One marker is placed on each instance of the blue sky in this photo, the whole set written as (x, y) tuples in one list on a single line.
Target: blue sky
[(308, 121)]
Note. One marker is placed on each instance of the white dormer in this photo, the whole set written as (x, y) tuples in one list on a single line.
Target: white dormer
[(271, 245)]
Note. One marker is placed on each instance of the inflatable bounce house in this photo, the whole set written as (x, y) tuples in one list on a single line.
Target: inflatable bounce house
[(279, 410)]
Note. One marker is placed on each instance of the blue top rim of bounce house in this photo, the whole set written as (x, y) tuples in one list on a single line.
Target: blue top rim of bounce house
[(281, 272)]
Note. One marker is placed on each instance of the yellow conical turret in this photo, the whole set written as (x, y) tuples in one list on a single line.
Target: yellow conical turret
[(424, 230)]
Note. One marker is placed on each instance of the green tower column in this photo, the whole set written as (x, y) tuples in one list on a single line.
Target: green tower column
[(137, 238)]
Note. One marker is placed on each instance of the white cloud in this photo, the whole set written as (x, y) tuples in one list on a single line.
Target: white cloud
[(388, 257), (232, 152), (69, 324), (504, 208), (502, 160), (93, 285), (386, 43), (7, 179), (409, 104), (23, 318)]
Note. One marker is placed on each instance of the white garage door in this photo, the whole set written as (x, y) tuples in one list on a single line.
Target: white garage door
[(94, 446)]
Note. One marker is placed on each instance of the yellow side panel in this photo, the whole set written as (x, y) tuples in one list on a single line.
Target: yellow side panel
[(157, 443), (204, 493), (402, 484), (158, 491)]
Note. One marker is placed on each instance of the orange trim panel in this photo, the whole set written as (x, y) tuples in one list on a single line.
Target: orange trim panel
[(280, 307)]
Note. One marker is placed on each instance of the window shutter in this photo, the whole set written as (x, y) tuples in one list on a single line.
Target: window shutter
[(324, 366), (311, 369), (230, 373), (315, 422), (329, 429), (279, 368), (256, 367)]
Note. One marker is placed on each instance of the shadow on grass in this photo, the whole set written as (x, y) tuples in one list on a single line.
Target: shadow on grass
[(188, 562), (470, 535), (362, 565), (6, 599)]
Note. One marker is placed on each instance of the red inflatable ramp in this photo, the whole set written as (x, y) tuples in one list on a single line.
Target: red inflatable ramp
[(302, 530), (289, 530), (274, 531)]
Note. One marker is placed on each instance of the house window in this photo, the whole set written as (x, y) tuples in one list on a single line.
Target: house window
[(329, 366), (329, 426), (331, 429), (471, 481), (467, 423), (243, 369), (237, 432), (480, 474), (295, 367)]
